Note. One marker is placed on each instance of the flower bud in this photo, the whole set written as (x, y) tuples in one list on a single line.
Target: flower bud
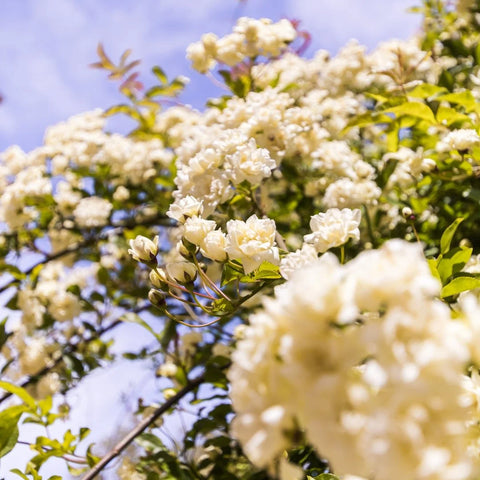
[(168, 369), (158, 278), (187, 249), (169, 393), (408, 213), (156, 297), (182, 272), (182, 249), (143, 249)]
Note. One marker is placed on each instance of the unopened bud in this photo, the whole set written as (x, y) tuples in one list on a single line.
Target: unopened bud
[(168, 369), (158, 278), (182, 272), (169, 393), (408, 213), (144, 250), (183, 250), (190, 247), (156, 297)]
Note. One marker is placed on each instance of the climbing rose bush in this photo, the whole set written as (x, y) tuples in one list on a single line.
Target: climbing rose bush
[(303, 253)]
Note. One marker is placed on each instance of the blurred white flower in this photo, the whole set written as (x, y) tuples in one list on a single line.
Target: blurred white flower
[(461, 139), (333, 228)]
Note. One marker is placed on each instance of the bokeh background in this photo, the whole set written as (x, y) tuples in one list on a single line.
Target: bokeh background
[(45, 49)]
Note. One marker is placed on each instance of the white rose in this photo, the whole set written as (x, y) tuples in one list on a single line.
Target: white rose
[(185, 207), (214, 246), (121, 194), (196, 229), (293, 261), (230, 49), (142, 249), (201, 61), (92, 212), (250, 163), (333, 228), (252, 242), (461, 139)]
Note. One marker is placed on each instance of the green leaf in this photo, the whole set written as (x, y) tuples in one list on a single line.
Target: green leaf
[(160, 74), (426, 90), (45, 405), (84, 431), (68, 439), (367, 118), (267, 271), (3, 332), (387, 171), (446, 79), (125, 109), (452, 262), (432, 263), (171, 90), (38, 460), (477, 53), (16, 471), (156, 91), (14, 271), (392, 137), (75, 289), (460, 284), (449, 115), (8, 428), (222, 306), (150, 442), (378, 98), (230, 273), (465, 99), (216, 377), (413, 109), (447, 236), (91, 458), (20, 393)]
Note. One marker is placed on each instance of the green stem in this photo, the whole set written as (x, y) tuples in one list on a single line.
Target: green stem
[(369, 226)]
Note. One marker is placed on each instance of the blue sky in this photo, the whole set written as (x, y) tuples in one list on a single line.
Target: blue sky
[(45, 47)]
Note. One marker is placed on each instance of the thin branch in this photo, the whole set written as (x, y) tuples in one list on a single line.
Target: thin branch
[(102, 236), (49, 258), (142, 426)]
